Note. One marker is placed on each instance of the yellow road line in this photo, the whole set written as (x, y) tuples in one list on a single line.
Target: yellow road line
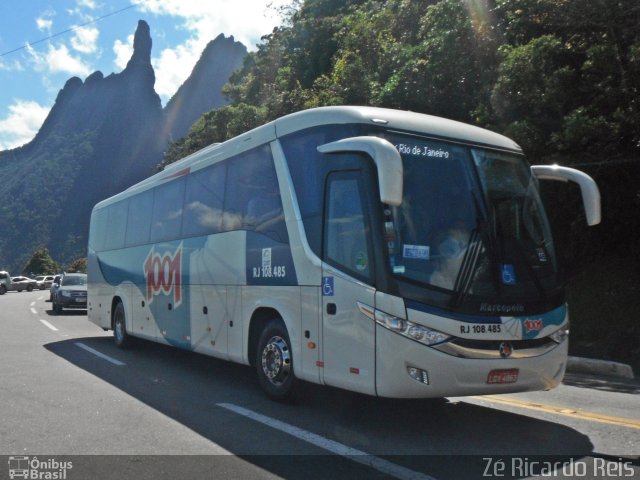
[(564, 411)]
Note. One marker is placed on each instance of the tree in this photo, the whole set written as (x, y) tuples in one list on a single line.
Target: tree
[(531, 94), (79, 265), (41, 263)]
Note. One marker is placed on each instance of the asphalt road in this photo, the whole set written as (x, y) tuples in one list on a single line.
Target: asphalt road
[(67, 394)]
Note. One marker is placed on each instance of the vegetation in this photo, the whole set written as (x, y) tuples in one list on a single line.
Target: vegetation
[(558, 76), (79, 265), (41, 263), (561, 77)]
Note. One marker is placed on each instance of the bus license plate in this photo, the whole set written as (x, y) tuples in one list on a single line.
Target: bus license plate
[(503, 376), (81, 299)]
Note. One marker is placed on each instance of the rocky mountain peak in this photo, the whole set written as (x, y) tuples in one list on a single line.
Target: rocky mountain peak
[(141, 45)]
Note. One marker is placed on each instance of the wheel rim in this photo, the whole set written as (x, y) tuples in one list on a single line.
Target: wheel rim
[(276, 360)]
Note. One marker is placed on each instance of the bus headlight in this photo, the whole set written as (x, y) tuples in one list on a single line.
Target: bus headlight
[(561, 334), (419, 333), (389, 321)]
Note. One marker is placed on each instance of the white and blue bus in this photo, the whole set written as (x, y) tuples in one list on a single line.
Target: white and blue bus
[(379, 251)]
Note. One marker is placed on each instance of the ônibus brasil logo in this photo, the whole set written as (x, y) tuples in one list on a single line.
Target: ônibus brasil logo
[(163, 274)]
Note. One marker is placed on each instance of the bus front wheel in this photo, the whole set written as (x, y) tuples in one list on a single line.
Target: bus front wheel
[(274, 361), (120, 336)]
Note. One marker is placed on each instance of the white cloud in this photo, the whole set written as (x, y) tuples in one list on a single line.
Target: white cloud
[(91, 4), (174, 65), (45, 21), (12, 66), (123, 51), (85, 39), (58, 60), (22, 123), (246, 20), (44, 24)]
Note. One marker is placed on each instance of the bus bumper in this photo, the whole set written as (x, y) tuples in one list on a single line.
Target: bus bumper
[(450, 376)]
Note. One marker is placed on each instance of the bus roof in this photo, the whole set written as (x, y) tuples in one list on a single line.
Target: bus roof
[(427, 125)]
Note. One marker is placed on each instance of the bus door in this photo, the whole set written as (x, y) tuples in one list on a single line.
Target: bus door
[(348, 335)]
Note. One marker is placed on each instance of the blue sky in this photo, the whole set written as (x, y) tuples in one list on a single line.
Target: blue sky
[(100, 37)]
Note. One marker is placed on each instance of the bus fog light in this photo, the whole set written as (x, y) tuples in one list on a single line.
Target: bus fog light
[(418, 375)]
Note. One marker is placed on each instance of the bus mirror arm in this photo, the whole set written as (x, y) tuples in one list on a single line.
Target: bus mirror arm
[(588, 187), (385, 156)]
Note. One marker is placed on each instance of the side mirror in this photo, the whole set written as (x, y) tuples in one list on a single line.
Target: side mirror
[(385, 156), (588, 187)]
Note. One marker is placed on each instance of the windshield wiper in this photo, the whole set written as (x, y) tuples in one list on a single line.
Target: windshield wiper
[(467, 268)]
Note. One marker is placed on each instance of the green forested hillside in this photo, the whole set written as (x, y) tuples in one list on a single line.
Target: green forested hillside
[(561, 77), (558, 76)]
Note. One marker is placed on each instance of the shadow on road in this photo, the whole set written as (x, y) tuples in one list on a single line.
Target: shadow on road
[(421, 435), (617, 385)]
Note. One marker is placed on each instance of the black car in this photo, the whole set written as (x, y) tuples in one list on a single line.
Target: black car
[(72, 292)]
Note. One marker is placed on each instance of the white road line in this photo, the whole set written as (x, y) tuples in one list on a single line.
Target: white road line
[(33, 304), (48, 325), (100, 354), (34, 311), (332, 446)]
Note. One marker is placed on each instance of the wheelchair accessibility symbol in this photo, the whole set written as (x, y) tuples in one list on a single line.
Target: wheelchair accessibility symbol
[(508, 274), (327, 286)]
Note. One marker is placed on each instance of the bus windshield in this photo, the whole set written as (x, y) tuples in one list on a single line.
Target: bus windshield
[(471, 223)]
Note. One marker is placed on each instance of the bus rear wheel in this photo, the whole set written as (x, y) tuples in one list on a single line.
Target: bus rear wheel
[(120, 336), (274, 361)]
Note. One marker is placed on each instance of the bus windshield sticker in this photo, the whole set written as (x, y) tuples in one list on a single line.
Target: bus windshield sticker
[(362, 261), (415, 252), (508, 274)]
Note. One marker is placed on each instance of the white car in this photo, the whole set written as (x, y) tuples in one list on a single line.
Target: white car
[(44, 281)]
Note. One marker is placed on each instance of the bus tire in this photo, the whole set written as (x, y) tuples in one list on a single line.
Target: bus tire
[(274, 361), (120, 336)]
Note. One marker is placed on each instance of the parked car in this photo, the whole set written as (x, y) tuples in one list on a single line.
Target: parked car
[(54, 287), (72, 292), (44, 281), (19, 284), (5, 282)]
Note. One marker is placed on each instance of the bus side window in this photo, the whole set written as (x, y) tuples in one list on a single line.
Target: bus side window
[(252, 198), (166, 219), (204, 201), (98, 229), (139, 220), (117, 225), (346, 232)]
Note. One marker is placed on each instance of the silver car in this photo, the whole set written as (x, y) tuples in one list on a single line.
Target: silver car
[(19, 284), (54, 287)]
